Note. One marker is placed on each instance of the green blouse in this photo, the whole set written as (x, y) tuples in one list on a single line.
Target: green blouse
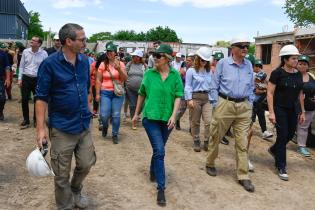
[(160, 95)]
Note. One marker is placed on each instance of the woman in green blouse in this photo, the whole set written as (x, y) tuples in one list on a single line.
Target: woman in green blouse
[(160, 92)]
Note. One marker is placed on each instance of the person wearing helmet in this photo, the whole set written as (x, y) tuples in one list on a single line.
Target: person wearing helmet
[(4, 78), (232, 95), (66, 94), (183, 103), (197, 90), (109, 72), (309, 103), (260, 97), (156, 44), (56, 47), (284, 90), (177, 63), (216, 57), (160, 93), (135, 70)]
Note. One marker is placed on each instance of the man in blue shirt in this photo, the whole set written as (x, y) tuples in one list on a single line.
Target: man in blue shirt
[(231, 93), (4, 78), (63, 84)]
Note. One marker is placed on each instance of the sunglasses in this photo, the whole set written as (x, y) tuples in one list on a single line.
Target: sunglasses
[(241, 46), (158, 55), (202, 60)]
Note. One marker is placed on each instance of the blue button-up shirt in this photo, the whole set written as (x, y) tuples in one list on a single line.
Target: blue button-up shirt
[(196, 81), (65, 88), (232, 80)]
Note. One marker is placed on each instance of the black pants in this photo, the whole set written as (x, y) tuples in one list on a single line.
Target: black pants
[(28, 86), (95, 103), (260, 112), (2, 96), (286, 121)]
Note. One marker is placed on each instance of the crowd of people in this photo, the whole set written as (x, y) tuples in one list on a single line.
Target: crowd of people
[(75, 85)]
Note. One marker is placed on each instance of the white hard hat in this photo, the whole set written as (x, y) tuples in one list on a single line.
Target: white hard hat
[(204, 53), (191, 54), (289, 50), (37, 165), (178, 55), (56, 37), (137, 52), (239, 40)]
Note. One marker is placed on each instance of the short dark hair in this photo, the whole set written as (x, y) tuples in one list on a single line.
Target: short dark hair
[(157, 42), (40, 40), (69, 31)]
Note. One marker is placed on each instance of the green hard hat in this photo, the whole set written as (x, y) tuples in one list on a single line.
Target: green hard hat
[(110, 46), (99, 54), (218, 56), (304, 58), (258, 62), (19, 44), (3, 45), (86, 50), (165, 48), (251, 58)]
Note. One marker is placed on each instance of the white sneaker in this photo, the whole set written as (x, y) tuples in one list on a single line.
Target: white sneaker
[(80, 200), (282, 173), (251, 167), (267, 134)]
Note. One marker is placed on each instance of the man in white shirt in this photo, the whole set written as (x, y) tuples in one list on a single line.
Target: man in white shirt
[(151, 62), (177, 63), (31, 59)]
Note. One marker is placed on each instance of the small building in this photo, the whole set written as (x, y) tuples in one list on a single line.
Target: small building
[(14, 20), (268, 46)]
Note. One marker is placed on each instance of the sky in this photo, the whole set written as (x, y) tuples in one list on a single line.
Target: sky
[(195, 21)]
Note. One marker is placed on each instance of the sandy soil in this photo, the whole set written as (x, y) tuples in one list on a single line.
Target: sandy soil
[(119, 180)]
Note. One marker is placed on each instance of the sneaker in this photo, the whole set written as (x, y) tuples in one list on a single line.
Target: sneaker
[(115, 139), (251, 167), (24, 125), (267, 134), (197, 146), (211, 171), (304, 151), (282, 173), (247, 185), (161, 201), (225, 141), (80, 201)]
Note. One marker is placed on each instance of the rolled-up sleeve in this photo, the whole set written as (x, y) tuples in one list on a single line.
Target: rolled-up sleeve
[(44, 79), (188, 84), (215, 84)]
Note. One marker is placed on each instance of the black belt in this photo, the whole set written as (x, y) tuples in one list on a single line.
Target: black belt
[(236, 100), (201, 91)]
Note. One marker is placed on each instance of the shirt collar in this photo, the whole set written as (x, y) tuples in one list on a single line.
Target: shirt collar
[(61, 56), (231, 61)]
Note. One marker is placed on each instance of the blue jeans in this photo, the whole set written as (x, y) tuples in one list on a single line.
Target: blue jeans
[(158, 133), (111, 107)]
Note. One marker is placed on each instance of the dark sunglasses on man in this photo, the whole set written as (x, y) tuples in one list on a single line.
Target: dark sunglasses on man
[(241, 46)]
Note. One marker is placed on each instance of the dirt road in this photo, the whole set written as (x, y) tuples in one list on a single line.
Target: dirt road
[(119, 180)]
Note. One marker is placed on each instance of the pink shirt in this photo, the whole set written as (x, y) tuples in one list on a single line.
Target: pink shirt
[(107, 83)]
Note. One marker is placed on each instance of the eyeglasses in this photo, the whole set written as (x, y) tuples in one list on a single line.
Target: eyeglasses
[(241, 46), (158, 55), (83, 40)]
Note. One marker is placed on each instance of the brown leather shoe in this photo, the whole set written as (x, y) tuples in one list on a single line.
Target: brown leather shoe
[(247, 185), (211, 171)]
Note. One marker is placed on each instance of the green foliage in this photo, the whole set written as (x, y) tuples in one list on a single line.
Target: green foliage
[(222, 43), (35, 28), (300, 12), (159, 33), (100, 36), (252, 49)]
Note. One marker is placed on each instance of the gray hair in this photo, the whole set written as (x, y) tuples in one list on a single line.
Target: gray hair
[(69, 31)]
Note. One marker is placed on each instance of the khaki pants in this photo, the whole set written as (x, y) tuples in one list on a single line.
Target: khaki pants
[(202, 108), (237, 115), (63, 146)]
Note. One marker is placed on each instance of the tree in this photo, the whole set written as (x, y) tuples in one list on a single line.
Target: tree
[(100, 36), (35, 28), (222, 43), (300, 12), (126, 35), (252, 49), (163, 34)]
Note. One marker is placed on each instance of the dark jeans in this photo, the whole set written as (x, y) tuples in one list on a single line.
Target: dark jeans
[(132, 96), (28, 86), (286, 122), (95, 103), (2, 96), (260, 112), (158, 133)]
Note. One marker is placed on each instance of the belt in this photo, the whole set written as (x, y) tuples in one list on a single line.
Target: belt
[(201, 91), (236, 100)]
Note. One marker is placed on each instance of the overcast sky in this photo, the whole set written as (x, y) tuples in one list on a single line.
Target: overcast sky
[(197, 21)]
